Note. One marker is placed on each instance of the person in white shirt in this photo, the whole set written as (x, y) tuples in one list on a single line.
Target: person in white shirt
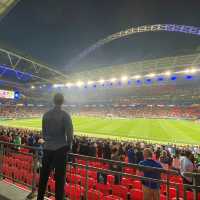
[(186, 165)]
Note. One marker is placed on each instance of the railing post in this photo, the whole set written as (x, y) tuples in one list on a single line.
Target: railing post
[(1, 159), (184, 192), (86, 186), (168, 185), (195, 193), (33, 187), (177, 191)]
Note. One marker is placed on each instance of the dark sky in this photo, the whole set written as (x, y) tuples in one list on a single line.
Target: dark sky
[(55, 31)]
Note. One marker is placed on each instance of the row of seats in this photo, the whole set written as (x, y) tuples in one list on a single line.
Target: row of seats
[(15, 166)]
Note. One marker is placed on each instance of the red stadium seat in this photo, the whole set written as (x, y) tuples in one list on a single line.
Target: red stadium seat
[(112, 197), (120, 191), (172, 193), (163, 197), (105, 189), (91, 182), (127, 182), (94, 195), (136, 194), (73, 178), (92, 174), (75, 192), (137, 185), (110, 179)]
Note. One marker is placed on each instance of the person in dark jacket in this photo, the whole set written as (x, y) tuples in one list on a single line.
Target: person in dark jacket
[(57, 133)]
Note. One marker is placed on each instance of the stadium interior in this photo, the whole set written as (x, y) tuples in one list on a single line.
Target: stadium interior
[(118, 110)]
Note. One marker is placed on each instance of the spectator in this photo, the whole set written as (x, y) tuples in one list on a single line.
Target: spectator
[(186, 165), (165, 160), (176, 162), (116, 167), (151, 189)]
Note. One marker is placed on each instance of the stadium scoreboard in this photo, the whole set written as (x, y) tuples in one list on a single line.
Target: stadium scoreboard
[(8, 94)]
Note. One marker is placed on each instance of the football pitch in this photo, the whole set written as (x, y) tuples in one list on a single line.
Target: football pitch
[(153, 130)]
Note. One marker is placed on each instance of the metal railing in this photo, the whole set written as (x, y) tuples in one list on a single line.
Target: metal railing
[(84, 176)]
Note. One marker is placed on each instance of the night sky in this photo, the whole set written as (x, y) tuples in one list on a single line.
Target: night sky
[(55, 31)]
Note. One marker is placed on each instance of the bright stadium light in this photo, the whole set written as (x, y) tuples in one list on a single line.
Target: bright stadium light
[(68, 85), (113, 80), (101, 81), (136, 76), (167, 73), (193, 70), (32, 87), (55, 85), (151, 75), (186, 71), (124, 78), (79, 83), (90, 82)]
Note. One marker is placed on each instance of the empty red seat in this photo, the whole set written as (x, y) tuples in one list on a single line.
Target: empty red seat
[(120, 191), (90, 181), (105, 189), (73, 178), (136, 194), (94, 195), (172, 193), (137, 185), (92, 174), (110, 179), (112, 197), (75, 192), (127, 182), (163, 197)]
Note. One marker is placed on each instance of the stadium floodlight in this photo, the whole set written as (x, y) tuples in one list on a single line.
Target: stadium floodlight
[(136, 76), (79, 83), (167, 73), (113, 80), (193, 70), (32, 87), (186, 71), (151, 75), (55, 85), (68, 85), (90, 82), (101, 81), (124, 78)]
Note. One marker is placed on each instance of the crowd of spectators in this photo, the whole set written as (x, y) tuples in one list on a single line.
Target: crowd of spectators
[(111, 110), (169, 155), (13, 111), (145, 111), (183, 158)]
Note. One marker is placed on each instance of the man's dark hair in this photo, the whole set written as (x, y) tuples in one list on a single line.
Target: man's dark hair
[(58, 99)]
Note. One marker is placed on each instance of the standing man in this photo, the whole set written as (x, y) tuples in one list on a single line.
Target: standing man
[(151, 189), (57, 133)]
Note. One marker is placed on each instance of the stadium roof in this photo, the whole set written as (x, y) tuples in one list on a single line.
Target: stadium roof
[(27, 70), (6, 6), (143, 67)]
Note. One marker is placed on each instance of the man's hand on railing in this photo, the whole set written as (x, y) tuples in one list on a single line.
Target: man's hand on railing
[(41, 141)]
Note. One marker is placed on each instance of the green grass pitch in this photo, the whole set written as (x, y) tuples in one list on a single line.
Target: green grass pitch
[(162, 130)]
